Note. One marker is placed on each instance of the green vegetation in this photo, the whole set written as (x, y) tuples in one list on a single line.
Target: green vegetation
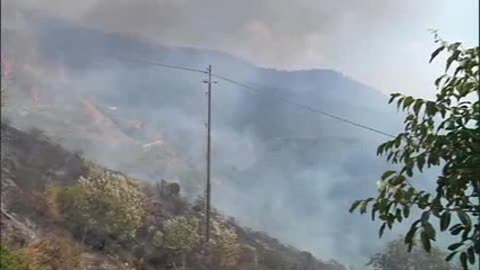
[(224, 246), (181, 235), (53, 252), (110, 212), (11, 261), (104, 204), (442, 133)]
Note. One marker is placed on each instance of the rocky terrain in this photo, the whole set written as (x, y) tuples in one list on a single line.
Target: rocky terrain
[(31, 163)]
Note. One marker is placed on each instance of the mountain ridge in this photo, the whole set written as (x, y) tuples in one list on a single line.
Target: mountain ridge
[(273, 186)]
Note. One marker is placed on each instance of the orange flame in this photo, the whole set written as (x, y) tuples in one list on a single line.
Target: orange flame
[(6, 67)]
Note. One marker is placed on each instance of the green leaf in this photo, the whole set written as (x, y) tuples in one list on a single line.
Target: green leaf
[(420, 162), (406, 211), (445, 221), (387, 174), (430, 109), (363, 207), (382, 229), (451, 255), (398, 141), (410, 235), (425, 217), (471, 255), (439, 79), (425, 241), (458, 69), (457, 230), (398, 180), (464, 218), (454, 46), (450, 59), (354, 205), (429, 230), (436, 52), (463, 260), (408, 101), (398, 215), (399, 102), (380, 149), (455, 246), (417, 106), (393, 97)]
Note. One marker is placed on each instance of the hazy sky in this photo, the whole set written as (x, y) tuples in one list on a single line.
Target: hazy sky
[(384, 43)]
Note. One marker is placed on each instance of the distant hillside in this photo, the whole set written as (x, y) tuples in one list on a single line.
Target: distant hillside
[(274, 163)]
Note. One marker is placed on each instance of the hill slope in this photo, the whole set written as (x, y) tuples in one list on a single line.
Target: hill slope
[(31, 163), (273, 163)]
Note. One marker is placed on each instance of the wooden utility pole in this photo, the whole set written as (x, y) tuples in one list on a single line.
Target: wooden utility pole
[(207, 185), (477, 183)]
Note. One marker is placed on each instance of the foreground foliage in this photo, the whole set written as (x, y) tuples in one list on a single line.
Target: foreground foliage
[(442, 133)]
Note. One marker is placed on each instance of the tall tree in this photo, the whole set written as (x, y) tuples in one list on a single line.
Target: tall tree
[(444, 133)]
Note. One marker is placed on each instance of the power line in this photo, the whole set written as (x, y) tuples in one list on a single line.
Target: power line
[(256, 90), (154, 63), (306, 107)]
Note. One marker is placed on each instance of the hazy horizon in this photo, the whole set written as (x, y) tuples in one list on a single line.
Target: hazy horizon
[(338, 35)]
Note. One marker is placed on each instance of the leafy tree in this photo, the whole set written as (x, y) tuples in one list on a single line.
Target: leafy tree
[(444, 133), (103, 203), (397, 257)]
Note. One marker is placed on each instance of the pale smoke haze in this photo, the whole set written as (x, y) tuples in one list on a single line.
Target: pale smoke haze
[(343, 35), (288, 172)]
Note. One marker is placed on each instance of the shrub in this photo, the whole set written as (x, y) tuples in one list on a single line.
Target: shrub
[(158, 239), (54, 252), (104, 204), (224, 245), (11, 261), (181, 236)]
